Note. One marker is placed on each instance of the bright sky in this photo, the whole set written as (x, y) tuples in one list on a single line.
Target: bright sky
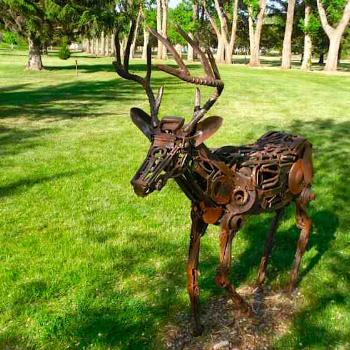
[(173, 3)]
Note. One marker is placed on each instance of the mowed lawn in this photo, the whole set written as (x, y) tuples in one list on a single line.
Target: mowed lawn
[(85, 263)]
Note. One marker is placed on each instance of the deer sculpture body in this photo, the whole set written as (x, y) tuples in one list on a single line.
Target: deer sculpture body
[(225, 185)]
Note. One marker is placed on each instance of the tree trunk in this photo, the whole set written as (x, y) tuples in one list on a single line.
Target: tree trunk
[(332, 56), (334, 34), (123, 46), (220, 54), (307, 55), (108, 45), (112, 44), (164, 26), (340, 52), (34, 54), (255, 33), (44, 49), (195, 15), (178, 48), (287, 41), (159, 28), (103, 44), (133, 45), (231, 43), (145, 43), (93, 46), (321, 59), (226, 38), (88, 46), (98, 45), (190, 55)]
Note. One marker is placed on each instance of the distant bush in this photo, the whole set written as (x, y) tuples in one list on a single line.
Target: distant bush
[(64, 52), (9, 38)]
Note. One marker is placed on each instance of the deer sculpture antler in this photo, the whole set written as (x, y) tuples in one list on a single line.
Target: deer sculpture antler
[(122, 68), (212, 77)]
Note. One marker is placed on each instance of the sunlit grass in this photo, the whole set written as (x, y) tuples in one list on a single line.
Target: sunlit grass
[(84, 262)]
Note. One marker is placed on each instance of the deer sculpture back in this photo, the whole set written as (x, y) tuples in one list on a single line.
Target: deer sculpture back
[(224, 185)]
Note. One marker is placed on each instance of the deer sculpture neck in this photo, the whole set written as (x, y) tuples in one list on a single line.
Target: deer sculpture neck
[(198, 176)]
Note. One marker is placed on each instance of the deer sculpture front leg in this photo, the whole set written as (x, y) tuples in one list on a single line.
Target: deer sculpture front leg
[(229, 228), (268, 247), (304, 224), (197, 230)]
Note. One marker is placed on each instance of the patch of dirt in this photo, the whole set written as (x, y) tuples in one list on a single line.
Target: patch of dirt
[(226, 328)]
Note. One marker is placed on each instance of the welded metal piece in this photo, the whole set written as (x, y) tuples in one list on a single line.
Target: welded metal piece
[(225, 185)]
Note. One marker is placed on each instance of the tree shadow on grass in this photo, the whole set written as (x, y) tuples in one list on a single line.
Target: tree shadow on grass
[(108, 67), (268, 61), (15, 140), (23, 184), (64, 101), (73, 100), (319, 324)]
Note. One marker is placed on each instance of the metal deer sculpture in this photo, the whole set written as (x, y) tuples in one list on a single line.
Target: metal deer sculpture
[(225, 185)]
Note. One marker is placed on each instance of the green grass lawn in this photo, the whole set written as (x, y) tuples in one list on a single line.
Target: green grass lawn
[(84, 263)]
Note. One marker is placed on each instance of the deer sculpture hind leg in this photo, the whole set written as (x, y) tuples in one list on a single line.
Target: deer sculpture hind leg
[(197, 230), (229, 228), (268, 247), (304, 224)]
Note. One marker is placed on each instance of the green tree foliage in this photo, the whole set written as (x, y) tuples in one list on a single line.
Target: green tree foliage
[(64, 52), (9, 38), (181, 15), (334, 9)]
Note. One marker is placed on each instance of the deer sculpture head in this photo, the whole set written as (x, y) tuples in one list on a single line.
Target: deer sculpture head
[(172, 140)]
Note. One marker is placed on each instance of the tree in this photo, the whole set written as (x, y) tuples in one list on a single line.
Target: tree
[(181, 16), (307, 55), (41, 21), (29, 20), (227, 13), (334, 26), (138, 20), (149, 20), (287, 41), (256, 11), (195, 19), (96, 22), (165, 6), (10, 38), (162, 19), (312, 30)]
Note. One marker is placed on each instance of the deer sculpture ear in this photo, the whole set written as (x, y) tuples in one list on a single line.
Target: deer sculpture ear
[(143, 121), (207, 128)]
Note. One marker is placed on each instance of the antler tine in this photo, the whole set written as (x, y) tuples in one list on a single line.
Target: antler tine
[(204, 60), (212, 71), (171, 48), (212, 77), (213, 64), (122, 70), (183, 72)]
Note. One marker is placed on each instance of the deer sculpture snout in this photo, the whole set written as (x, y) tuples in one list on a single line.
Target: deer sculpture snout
[(140, 187)]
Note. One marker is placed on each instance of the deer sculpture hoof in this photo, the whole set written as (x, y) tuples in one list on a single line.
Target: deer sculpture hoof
[(198, 330)]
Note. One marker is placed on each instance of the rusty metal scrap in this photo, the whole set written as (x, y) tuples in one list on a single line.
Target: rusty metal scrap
[(225, 185)]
